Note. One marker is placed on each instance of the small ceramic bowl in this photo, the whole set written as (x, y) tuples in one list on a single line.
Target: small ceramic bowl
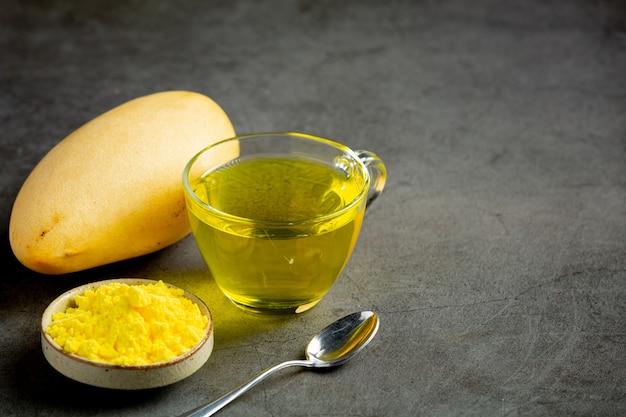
[(131, 377)]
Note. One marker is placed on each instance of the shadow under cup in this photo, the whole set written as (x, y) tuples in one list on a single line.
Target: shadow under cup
[(276, 215)]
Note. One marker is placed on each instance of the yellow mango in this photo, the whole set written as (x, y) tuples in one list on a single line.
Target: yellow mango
[(112, 190)]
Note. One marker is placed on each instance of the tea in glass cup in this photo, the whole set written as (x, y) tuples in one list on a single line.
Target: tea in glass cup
[(277, 215)]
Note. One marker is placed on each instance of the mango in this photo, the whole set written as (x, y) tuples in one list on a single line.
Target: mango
[(112, 190)]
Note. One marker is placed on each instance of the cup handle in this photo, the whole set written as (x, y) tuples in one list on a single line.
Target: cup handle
[(377, 171)]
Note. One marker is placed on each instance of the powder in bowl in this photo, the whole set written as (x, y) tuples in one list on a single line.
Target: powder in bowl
[(126, 324)]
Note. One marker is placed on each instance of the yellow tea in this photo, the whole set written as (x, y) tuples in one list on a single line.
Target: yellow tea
[(281, 230)]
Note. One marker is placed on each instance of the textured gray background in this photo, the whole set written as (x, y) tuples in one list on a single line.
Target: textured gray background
[(496, 256)]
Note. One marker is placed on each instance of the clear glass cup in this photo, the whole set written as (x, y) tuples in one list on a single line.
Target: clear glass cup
[(277, 215)]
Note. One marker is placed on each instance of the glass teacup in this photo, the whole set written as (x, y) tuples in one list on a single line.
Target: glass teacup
[(277, 215)]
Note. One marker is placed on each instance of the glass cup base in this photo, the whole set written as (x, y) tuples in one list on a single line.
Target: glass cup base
[(275, 308)]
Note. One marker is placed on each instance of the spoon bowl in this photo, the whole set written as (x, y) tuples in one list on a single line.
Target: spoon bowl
[(333, 346), (340, 341)]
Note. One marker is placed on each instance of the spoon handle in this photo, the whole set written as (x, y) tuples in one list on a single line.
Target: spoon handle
[(215, 406)]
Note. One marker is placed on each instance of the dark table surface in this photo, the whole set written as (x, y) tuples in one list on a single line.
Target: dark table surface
[(496, 256)]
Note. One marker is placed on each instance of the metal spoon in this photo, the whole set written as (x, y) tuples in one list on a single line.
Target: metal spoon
[(333, 346)]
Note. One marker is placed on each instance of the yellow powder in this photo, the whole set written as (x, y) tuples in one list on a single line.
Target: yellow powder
[(129, 324)]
